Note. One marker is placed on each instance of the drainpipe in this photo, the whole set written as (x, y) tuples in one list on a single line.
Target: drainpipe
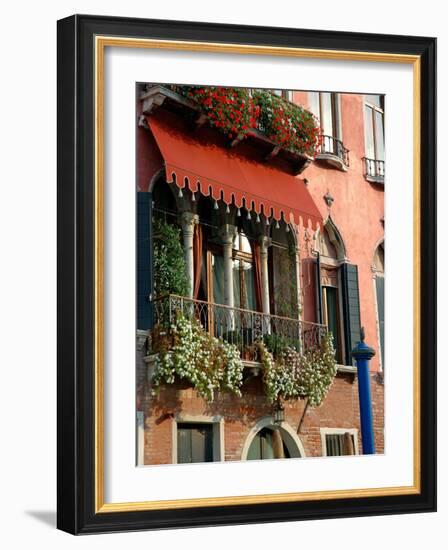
[(363, 354)]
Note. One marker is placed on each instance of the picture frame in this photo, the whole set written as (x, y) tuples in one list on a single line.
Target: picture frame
[(82, 41)]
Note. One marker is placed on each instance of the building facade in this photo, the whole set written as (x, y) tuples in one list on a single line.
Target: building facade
[(279, 245)]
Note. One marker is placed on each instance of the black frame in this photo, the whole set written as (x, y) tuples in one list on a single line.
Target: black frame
[(76, 275)]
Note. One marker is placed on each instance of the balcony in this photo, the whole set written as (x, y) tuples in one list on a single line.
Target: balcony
[(333, 152), (374, 170), (240, 327), (171, 98)]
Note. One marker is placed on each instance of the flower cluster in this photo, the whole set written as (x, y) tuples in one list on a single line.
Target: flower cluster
[(292, 374), (234, 111), (208, 363), (231, 110), (288, 124)]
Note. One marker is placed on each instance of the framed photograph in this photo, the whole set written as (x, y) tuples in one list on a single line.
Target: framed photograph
[(229, 350)]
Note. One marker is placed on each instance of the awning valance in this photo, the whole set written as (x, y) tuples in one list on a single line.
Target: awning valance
[(225, 175)]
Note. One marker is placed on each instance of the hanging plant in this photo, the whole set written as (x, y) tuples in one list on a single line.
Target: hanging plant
[(288, 124), (292, 374), (207, 363)]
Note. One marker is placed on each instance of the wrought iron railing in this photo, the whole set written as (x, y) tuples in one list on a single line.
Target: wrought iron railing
[(333, 146), (241, 327), (374, 169)]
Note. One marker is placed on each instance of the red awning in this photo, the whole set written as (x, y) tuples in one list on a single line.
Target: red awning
[(222, 173)]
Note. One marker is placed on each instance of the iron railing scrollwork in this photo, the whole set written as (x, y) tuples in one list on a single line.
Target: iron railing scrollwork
[(374, 169), (334, 146), (241, 327)]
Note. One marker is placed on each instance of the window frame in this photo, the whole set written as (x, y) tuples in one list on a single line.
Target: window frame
[(218, 434), (338, 431), (375, 109)]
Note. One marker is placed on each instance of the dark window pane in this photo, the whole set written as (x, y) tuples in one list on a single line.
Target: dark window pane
[(194, 443), (333, 317), (183, 446)]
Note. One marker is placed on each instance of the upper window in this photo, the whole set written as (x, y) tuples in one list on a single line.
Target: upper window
[(374, 137), (326, 107)]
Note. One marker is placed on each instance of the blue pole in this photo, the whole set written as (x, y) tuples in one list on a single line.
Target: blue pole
[(363, 353)]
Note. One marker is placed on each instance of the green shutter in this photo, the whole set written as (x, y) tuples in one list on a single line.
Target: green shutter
[(351, 309), (380, 306), (318, 283), (144, 260), (194, 443)]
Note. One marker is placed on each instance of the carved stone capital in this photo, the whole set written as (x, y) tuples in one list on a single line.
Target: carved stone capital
[(227, 233)]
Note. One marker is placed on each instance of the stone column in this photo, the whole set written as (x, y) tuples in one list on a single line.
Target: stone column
[(227, 235), (188, 221), (265, 243)]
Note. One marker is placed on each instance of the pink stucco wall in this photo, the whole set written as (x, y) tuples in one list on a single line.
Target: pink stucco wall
[(357, 212)]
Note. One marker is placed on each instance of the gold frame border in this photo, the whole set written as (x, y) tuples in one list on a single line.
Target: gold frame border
[(101, 42)]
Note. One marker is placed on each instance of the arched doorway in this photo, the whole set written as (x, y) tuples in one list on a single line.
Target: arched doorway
[(261, 441)]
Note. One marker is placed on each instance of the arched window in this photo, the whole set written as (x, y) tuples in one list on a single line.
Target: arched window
[(243, 272), (331, 252), (283, 291)]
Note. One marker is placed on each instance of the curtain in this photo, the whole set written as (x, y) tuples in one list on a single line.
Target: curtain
[(257, 274), (218, 279), (197, 259)]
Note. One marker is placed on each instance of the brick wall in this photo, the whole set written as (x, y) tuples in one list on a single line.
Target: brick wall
[(339, 410)]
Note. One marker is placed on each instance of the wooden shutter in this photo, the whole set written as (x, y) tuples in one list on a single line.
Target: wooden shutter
[(351, 309), (144, 260), (318, 283), (380, 306)]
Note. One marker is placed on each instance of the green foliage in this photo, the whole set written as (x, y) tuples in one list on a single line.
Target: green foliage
[(287, 124), (293, 375), (234, 112), (170, 274), (206, 362), (230, 110), (277, 344)]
